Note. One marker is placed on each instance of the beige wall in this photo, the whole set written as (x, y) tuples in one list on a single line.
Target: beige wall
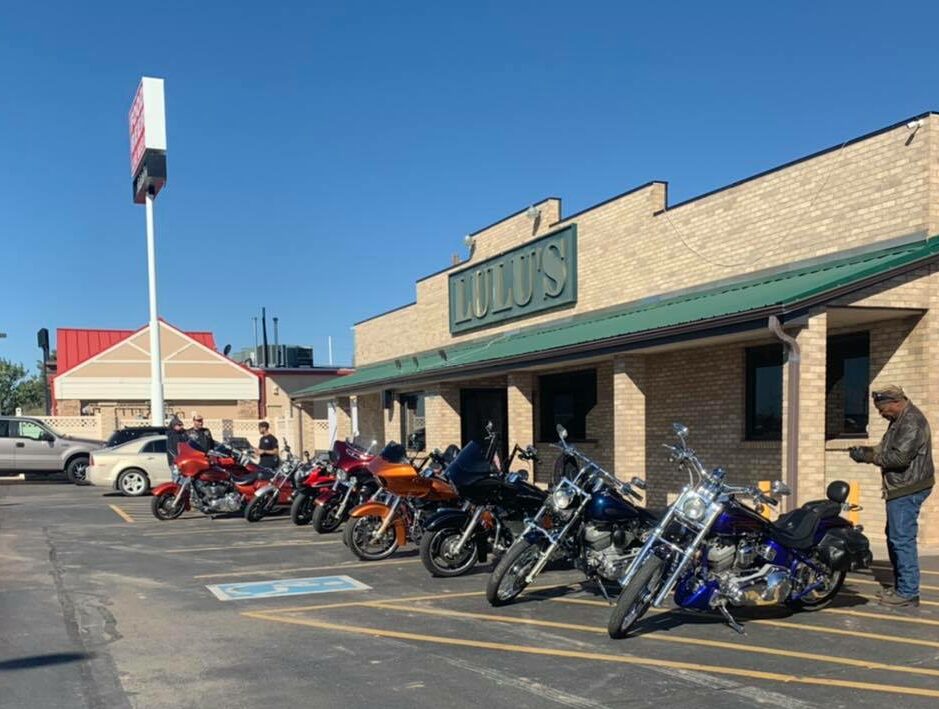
[(629, 248)]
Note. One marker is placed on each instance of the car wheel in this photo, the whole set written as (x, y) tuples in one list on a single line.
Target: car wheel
[(133, 482), (77, 470)]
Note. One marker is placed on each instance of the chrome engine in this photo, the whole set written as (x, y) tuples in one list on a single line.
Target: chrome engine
[(218, 497), (742, 582), (609, 550)]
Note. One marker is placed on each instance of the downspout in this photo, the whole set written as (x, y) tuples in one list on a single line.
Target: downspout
[(794, 358)]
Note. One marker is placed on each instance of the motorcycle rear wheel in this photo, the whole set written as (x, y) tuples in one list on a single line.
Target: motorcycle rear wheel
[(324, 518), (824, 599), (162, 507), (507, 580), (435, 559), (636, 597), (358, 537), (301, 509)]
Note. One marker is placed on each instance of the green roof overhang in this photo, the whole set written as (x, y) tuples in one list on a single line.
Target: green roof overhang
[(705, 310)]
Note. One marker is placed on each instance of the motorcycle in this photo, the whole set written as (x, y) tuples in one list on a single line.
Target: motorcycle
[(454, 539), (715, 551), (587, 518), (310, 480), (264, 496), (410, 492), (323, 489), (211, 482)]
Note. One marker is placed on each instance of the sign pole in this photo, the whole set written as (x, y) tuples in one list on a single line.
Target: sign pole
[(156, 358)]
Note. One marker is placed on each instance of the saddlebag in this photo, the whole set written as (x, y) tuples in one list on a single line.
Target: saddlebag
[(845, 548)]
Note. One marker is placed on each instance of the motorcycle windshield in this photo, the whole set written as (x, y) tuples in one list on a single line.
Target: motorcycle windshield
[(470, 466)]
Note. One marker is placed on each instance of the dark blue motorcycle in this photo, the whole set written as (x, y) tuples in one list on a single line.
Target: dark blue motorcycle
[(714, 551), (586, 518)]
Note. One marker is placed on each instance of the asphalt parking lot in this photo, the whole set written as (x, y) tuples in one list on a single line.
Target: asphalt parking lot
[(101, 605)]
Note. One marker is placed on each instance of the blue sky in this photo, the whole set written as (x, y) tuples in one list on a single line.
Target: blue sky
[(322, 156)]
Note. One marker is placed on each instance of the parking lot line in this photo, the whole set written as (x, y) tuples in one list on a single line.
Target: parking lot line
[(902, 640), (890, 618), (261, 544), (922, 601), (724, 645), (595, 656), (854, 579), (122, 514), (888, 567), (265, 572), (246, 529)]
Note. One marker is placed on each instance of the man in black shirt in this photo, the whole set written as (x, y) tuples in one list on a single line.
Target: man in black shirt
[(176, 435), (267, 447), (200, 434)]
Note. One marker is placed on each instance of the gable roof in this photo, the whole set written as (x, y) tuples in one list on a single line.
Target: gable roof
[(744, 300), (77, 345)]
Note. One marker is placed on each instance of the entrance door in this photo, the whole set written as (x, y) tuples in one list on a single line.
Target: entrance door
[(480, 406)]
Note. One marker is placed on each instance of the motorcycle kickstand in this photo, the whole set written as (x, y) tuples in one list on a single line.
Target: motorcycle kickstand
[(599, 582), (730, 620)]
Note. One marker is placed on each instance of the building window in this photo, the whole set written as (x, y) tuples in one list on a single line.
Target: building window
[(764, 393), (413, 429), (566, 399), (847, 384)]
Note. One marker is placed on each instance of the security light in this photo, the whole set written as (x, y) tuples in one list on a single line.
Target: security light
[(533, 212)]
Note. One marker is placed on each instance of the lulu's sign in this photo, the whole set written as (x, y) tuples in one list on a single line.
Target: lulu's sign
[(534, 277), (147, 123)]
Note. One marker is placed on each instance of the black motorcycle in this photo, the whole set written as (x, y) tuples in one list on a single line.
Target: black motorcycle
[(498, 500)]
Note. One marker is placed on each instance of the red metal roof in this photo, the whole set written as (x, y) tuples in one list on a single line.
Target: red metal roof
[(74, 345)]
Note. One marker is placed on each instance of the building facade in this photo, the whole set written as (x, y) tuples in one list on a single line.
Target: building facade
[(760, 315)]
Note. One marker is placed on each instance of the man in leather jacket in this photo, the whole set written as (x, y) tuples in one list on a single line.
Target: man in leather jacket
[(200, 434), (904, 456), (174, 436)]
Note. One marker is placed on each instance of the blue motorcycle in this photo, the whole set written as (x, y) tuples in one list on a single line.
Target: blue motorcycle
[(714, 551), (586, 518)]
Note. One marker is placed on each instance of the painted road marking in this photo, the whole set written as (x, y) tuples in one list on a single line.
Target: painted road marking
[(888, 567), (347, 565), (724, 645), (260, 544), (277, 588), (122, 514), (246, 529), (881, 616), (597, 656), (854, 579), (777, 624)]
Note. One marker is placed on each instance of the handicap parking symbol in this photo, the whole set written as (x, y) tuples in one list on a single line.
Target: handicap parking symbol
[(277, 588)]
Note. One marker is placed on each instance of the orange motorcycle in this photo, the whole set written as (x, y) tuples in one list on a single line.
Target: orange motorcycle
[(409, 494)]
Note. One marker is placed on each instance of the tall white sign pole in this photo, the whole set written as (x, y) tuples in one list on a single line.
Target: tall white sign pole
[(157, 415), (148, 169)]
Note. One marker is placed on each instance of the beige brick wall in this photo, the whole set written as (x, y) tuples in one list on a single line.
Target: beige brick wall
[(871, 191), (521, 414)]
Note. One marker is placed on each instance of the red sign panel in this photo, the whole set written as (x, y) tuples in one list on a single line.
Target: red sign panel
[(137, 131)]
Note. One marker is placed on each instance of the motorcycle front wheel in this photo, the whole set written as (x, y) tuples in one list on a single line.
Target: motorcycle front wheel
[(325, 519), (259, 507), (507, 580), (162, 507), (359, 537), (437, 553), (301, 509), (636, 597)]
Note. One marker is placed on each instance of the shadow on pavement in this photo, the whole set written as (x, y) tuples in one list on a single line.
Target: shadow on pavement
[(55, 658)]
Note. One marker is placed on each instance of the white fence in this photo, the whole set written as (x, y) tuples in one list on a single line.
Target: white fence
[(313, 437)]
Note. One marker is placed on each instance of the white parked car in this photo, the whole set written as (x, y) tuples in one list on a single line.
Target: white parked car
[(132, 468)]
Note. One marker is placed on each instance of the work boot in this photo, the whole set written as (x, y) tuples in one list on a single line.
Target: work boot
[(890, 597)]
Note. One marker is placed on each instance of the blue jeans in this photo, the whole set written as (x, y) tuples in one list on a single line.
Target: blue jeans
[(902, 526)]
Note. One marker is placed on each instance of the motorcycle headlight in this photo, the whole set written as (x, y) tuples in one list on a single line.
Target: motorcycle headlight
[(342, 476), (562, 498), (693, 509)]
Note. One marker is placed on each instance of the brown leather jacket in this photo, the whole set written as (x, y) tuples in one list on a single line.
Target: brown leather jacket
[(904, 455)]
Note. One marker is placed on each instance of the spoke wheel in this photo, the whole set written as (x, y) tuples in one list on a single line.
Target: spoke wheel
[(636, 597)]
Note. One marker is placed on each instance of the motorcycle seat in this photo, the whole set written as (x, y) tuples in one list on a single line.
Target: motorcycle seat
[(248, 478), (796, 529), (824, 508)]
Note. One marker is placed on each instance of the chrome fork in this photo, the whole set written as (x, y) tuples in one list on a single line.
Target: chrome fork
[(345, 500), (179, 495), (470, 528), (388, 519)]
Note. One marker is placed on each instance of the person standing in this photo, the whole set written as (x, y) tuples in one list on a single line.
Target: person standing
[(174, 436), (267, 447), (200, 434), (904, 456)]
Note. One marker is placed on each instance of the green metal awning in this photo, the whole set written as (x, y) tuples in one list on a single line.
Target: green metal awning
[(704, 309)]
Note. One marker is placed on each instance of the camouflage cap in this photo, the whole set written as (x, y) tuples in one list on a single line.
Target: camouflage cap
[(891, 392)]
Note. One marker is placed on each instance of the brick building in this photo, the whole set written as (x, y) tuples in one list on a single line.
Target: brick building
[(634, 313)]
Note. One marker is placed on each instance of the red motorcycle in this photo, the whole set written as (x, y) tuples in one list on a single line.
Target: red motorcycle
[(315, 477), (328, 505), (212, 483), (265, 496)]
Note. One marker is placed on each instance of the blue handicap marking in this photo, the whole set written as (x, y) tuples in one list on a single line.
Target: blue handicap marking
[(285, 587)]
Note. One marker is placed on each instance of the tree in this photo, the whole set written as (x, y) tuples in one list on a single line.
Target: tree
[(19, 389)]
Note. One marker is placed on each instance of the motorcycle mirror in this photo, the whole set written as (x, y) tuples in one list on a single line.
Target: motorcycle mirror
[(780, 488), (562, 432), (638, 482), (489, 427), (519, 475), (681, 430)]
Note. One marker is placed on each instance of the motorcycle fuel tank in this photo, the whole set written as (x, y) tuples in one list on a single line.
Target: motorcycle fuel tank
[(607, 507)]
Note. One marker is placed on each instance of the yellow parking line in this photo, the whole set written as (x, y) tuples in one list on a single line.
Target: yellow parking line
[(597, 656), (245, 530), (881, 616), (890, 568), (854, 579), (601, 630), (235, 546), (347, 565), (122, 514), (778, 624), (921, 602)]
